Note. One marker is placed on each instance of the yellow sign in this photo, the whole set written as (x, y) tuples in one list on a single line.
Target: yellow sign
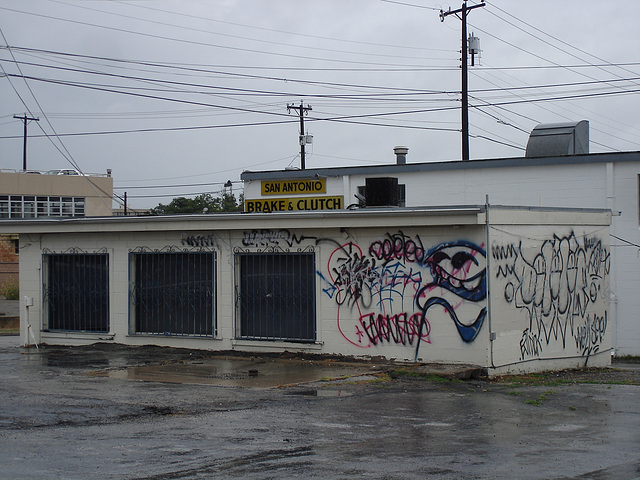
[(294, 187), (291, 204)]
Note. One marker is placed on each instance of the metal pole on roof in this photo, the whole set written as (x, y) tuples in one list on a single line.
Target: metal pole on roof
[(465, 85), (25, 120)]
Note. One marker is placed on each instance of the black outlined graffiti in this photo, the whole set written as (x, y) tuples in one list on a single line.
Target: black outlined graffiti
[(199, 240), (590, 334), (398, 246), (561, 287), (267, 238), (352, 275)]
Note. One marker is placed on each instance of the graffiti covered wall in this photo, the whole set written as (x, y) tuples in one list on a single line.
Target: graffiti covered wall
[(550, 294), (433, 288), (426, 295), (407, 295), (418, 294)]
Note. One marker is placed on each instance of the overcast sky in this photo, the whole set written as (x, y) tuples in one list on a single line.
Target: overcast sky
[(185, 95)]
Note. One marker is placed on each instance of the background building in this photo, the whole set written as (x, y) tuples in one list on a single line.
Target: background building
[(55, 193), (606, 181)]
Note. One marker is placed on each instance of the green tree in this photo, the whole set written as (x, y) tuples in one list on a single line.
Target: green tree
[(204, 203)]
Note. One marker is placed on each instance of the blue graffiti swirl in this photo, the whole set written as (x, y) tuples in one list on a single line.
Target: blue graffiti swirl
[(446, 263)]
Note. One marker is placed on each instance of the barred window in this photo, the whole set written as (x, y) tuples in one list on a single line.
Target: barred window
[(276, 296), (173, 293), (76, 292)]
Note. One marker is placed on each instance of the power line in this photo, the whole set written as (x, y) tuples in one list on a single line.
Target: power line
[(239, 37), (554, 38), (422, 68), (341, 119), (401, 91), (369, 96), (411, 5), (193, 42), (554, 112), (174, 186), (229, 74), (66, 155), (272, 30)]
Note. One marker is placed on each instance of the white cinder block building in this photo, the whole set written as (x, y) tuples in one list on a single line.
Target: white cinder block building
[(510, 289), (602, 181)]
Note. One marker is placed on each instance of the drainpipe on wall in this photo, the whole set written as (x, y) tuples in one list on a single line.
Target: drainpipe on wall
[(613, 283), (492, 335), (28, 302), (346, 190)]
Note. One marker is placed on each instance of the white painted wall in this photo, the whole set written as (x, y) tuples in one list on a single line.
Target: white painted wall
[(421, 286), (549, 295), (625, 254)]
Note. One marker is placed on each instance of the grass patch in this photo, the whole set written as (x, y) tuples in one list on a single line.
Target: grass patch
[(537, 402), (533, 379), (381, 379), (626, 359), (593, 376), (427, 377)]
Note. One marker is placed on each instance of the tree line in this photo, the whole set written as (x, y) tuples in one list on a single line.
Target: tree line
[(203, 203)]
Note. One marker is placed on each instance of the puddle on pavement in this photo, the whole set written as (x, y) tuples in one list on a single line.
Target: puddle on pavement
[(238, 372), (319, 393)]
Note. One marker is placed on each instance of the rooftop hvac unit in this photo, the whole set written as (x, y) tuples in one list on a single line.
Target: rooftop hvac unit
[(555, 139), (381, 192)]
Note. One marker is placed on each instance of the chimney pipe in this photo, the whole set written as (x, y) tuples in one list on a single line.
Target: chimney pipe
[(401, 155)]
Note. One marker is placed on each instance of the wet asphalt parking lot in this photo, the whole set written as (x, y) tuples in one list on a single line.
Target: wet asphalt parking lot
[(113, 412)]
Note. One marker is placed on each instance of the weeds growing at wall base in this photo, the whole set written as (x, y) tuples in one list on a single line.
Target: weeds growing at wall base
[(10, 290), (428, 377), (537, 402)]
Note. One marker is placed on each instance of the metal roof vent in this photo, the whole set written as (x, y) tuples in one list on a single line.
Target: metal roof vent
[(554, 139), (401, 154)]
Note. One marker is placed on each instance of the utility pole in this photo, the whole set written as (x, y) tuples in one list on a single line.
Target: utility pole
[(301, 111), (465, 84), (25, 120)]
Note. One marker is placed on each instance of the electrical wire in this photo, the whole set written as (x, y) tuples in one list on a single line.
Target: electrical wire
[(191, 70), (272, 30), (174, 186), (204, 44), (66, 154), (238, 37), (370, 96), (625, 241), (369, 100), (554, 38), (342, 119)]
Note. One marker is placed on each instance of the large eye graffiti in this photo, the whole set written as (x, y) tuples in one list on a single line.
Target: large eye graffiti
[(461, 269), (459, 284)]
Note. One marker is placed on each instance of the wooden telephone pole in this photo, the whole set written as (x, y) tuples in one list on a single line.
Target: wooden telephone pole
[(465, 84), (25, 119), (301, 110)]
